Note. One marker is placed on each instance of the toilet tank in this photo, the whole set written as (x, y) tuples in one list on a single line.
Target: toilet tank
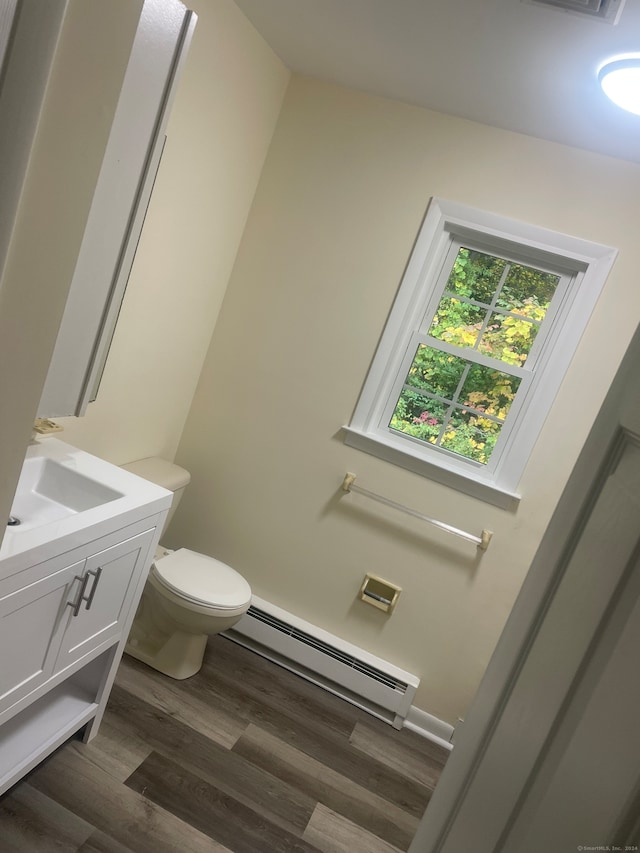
[(162, 473)]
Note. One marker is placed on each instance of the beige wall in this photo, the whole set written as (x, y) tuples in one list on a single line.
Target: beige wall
[(340, 201), (223, 117)]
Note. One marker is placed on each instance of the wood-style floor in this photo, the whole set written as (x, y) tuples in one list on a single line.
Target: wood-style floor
[(244, 757)]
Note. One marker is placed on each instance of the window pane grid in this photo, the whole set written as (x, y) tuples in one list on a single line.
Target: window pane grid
[(451, 401), (492, 305), (453, 404), (496, 309), (493, 322), (456, 433)]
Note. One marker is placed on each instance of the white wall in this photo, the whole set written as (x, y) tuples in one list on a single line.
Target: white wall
[(221, 124), (339, 204)]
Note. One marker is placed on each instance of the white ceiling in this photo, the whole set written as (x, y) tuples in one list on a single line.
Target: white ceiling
[(508, 63)]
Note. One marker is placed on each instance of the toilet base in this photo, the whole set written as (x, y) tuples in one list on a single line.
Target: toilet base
[(179, 656), (169, 637)]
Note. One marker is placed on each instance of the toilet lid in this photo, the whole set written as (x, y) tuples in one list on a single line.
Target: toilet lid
[(203, 579)]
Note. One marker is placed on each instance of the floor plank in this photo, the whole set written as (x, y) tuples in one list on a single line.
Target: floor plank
[(100, 842), (210, 810), (116, 809), (333, 833), (351, 763), (304, 730), (325, 785), (31, 821), (399, 756), (228, 664), (172, 699), (113, 751), (228, 771)]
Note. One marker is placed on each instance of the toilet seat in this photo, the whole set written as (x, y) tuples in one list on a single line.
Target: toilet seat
[(202, 581)]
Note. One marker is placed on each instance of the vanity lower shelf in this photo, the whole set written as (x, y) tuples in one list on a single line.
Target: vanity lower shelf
[(40, 729)]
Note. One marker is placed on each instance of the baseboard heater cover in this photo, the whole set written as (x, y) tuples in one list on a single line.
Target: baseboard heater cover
[(340, 667)]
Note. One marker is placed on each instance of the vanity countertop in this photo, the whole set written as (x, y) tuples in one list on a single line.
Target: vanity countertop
[(66, 497)]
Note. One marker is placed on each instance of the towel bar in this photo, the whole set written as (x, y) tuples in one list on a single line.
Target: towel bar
[(481, 541)]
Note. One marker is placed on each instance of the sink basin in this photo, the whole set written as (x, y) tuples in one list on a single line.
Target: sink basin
[(48, 491), (65, 498)]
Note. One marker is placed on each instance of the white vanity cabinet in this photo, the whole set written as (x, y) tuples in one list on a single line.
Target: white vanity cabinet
[(31, 616), (66, 608), (63, 610), (99, 596)]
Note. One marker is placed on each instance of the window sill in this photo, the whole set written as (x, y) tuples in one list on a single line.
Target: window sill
[(468, 484)]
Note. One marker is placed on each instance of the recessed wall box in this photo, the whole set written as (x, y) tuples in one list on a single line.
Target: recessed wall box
[(379, 593)]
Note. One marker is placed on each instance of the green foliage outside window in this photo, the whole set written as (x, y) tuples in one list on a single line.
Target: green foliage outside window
[(491, 306)]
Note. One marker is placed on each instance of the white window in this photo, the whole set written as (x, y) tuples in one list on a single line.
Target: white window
[(483, 328)]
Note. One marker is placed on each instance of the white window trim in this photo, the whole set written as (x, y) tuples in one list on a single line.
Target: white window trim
[(584, 263)]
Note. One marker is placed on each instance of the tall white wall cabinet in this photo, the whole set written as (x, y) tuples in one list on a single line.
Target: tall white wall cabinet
[(122, 192)]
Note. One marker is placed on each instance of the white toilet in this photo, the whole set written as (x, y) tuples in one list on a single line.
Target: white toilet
[(187, 597)]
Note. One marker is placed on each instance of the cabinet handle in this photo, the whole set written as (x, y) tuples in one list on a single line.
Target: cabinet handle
[(96, 576), (83, 585)]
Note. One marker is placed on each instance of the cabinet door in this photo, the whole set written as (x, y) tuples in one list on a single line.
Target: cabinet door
[(103, 598), (122, 192), (31, 623)]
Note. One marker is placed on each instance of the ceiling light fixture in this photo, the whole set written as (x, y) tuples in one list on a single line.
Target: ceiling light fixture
[(620, 81)]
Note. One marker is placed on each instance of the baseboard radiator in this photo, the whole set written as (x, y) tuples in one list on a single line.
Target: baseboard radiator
[(352, 673)]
